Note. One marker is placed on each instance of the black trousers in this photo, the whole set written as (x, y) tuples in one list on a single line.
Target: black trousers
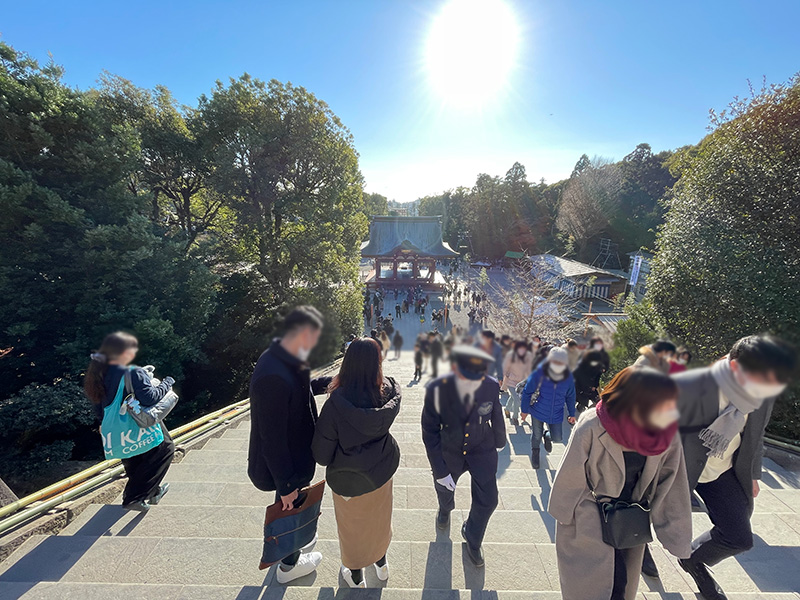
[(729, 510), (146, 471), (483, 471)]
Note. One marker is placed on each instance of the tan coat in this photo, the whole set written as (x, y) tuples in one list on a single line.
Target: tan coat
[(517, 370), (585, 562), (648, 358)]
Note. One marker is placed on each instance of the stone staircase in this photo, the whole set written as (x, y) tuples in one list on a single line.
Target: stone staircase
[(203, 541)]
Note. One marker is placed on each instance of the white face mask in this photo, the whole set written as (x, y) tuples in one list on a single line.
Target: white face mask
[(763, 391), (302, 353), (681, 361), (557, 368), (595, 363), (535, 344), (664, 418), (522, 351), (598, 346)]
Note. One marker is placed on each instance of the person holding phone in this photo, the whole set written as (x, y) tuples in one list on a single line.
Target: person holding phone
[(283, 414)]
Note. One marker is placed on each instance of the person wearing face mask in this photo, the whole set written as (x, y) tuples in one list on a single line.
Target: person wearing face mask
[(463, 429), (725, 409), (624, 449), (548, 390), (598, 345), (282, 418), (517, 366), (681, 362)]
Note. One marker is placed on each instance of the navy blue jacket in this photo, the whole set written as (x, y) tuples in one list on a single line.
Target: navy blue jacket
[(282, 417), (146, 393), (447, 428)]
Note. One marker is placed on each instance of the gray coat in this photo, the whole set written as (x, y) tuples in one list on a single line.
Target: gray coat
[(699, 406), (585, 562)]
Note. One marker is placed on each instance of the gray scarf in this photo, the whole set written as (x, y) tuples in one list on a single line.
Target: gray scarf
[(731, 421)]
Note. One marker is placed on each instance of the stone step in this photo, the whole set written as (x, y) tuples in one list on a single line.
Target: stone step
[(104, 591), (405, 475), (233, 562), (409, 525), (194, 493), (413, 460)]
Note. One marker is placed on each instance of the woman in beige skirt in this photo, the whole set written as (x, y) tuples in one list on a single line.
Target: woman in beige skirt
[(352, 440)]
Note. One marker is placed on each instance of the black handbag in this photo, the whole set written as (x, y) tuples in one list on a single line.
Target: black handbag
[(624, 524)]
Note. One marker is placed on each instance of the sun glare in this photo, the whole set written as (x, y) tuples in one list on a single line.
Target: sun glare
[(471, 51)]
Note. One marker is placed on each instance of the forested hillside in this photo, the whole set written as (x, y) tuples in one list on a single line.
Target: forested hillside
[(601, 199)]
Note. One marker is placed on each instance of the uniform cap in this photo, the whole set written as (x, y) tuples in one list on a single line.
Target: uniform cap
[(472, 362)]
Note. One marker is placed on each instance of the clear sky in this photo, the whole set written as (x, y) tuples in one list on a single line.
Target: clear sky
[(435, 93)]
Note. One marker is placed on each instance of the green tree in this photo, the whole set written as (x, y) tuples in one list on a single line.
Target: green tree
[(287, 167), (728, 256), (375, 204)]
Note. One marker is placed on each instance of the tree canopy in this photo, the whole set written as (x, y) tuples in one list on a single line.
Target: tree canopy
[(193, 227)]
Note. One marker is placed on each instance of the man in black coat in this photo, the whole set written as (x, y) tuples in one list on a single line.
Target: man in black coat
[(724, 410), (463, 429), (282, 415)]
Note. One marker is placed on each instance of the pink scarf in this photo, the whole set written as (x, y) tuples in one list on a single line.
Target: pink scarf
[(629, 435)]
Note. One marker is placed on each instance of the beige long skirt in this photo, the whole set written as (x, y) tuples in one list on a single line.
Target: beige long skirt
[(365, 526)]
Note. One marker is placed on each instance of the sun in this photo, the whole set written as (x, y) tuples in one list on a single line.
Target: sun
[(471, 51)]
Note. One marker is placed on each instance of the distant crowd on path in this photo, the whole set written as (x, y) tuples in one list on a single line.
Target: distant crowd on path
[(641, 448)]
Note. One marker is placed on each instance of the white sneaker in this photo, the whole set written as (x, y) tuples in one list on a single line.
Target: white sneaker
[(310, 546), (306, 565), (347, 575), (383, 572)]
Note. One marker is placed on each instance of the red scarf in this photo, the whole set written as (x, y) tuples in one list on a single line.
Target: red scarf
[(629, 435)]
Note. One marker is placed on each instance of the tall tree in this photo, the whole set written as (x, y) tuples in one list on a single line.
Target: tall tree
[(728, 257), (287, 167), (588, 202)]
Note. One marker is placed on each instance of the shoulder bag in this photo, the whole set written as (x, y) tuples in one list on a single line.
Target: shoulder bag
[(147, 416), (624, 524)]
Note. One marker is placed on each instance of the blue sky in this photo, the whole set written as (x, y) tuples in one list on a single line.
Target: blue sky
[(587, 76)]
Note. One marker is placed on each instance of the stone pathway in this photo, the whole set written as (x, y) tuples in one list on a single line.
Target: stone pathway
[(203, 541)]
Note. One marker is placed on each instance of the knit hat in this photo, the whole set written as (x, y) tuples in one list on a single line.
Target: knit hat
[(558, 354)]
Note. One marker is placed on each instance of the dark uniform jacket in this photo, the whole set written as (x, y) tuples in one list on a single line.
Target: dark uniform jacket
[(353, 441), (698, 403), (448, 431), (282, 415)]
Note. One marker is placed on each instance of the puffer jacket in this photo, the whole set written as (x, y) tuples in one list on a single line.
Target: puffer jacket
[(516, 369), (352, 440), (553, 396)]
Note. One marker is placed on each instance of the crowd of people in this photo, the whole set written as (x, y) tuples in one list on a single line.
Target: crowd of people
[(639, 450)]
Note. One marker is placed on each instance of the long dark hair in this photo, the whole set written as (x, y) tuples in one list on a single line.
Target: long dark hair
[(361, 371), (639, 391), (113, 345), (517, 345)]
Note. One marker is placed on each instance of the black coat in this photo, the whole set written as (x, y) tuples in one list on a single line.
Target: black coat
[(587, 376), (353, 441), (282, 415), (450, 432)]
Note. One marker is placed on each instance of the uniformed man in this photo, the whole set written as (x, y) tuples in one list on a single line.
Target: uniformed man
[(463, 429)]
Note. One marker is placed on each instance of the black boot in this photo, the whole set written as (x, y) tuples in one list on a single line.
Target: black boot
[(548, 442), (649, 567), (709, 552), (535, 458)]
